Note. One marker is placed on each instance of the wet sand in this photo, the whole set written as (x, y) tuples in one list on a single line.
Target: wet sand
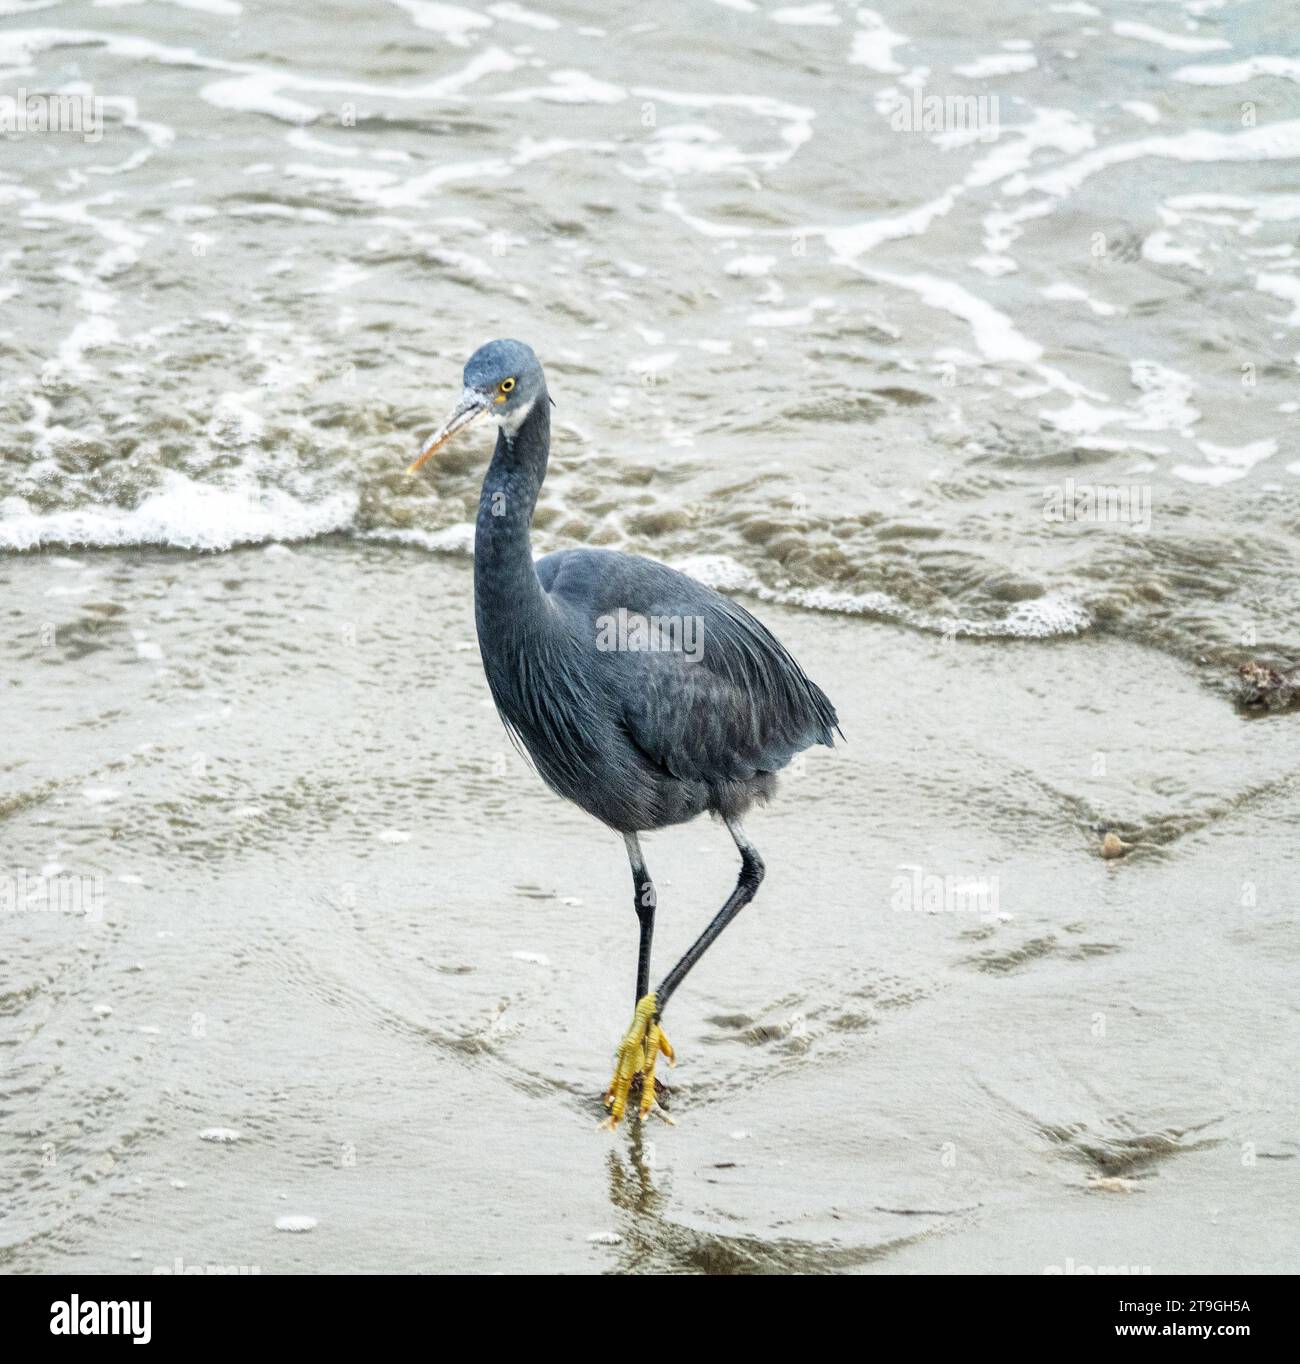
[(342, 920)]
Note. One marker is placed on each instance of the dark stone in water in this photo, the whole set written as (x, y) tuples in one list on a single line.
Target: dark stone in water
[(1259, 684)]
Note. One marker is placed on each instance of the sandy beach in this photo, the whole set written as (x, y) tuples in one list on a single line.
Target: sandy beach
[(958, 342), (390, 1005)]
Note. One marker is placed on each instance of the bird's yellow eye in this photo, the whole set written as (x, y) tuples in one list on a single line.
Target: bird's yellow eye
[(507, 385)]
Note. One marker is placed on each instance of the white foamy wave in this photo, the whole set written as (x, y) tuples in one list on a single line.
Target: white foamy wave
[(1268, 208), (1047, 617), (1285, 287), (1164, 404), (1269, 142), (997, 64), (457, 539), (182, 514), (452, 22), (1053, 129), (259, 93), (516, 14), (1062, 292), (568, 87), (1226, 463), (994, 333), (1050, 616), (1142, 109), (1171, 42), (226, 9), (795, 120), (249, 88), (874, 44), (820, 15), (1160, 249), (1236, 73)]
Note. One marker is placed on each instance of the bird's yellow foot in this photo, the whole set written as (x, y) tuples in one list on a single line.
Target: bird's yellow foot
[(638, 1053)]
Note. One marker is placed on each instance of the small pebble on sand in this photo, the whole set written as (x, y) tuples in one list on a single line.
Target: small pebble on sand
[(1113, 1184), (1113, 846)]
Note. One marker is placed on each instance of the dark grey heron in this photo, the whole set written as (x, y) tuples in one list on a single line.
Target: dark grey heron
[(641, 695)]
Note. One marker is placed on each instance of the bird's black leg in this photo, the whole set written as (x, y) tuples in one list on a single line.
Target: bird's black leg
[(645, 912), (751, 875), (644, 1041)]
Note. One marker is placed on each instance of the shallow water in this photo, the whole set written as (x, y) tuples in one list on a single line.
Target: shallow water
[(338, 918), (843, 367), (849, 362)]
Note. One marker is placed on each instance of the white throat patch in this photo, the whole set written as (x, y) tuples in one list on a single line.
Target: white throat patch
[(511, 421)]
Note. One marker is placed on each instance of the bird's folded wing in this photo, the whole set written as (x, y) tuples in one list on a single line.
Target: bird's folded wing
[(734, 704), (725, 700)]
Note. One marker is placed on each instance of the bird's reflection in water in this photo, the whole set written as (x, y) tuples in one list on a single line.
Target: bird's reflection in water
[(636, 1196)]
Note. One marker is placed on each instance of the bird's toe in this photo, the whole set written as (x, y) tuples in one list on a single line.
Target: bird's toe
[(638, 1053)]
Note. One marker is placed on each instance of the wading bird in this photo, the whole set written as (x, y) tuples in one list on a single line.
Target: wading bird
[(639, 735)]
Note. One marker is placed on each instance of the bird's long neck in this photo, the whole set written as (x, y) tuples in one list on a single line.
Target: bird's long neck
[(505, 582)]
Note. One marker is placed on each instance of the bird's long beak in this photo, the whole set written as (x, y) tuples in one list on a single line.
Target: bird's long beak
[(470, 408)]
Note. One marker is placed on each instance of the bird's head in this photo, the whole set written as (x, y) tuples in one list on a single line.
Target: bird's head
[(504, 380)]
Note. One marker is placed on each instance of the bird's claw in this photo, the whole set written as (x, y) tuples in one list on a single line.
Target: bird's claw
[(638, 1054)]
